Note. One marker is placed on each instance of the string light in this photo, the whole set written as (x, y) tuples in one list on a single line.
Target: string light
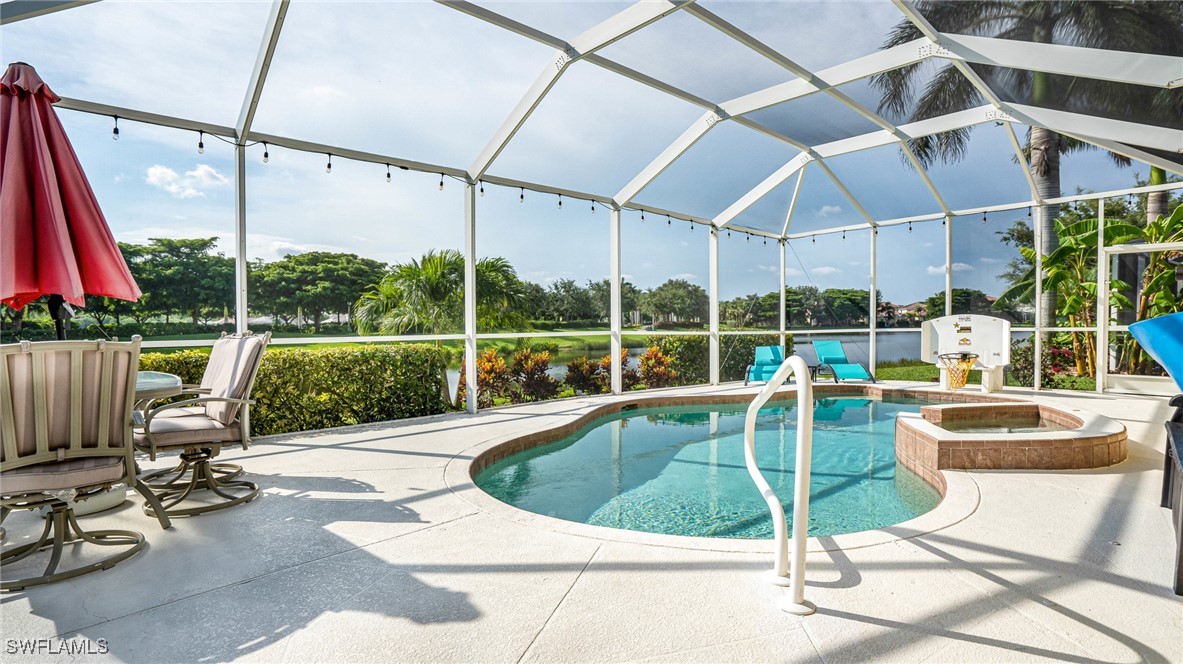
[(843, 235), (593, 207), (388, 172), (667, 220), (329, 166), (642, 216), (728, 233), (748, 238), (909, 227), (267, 155), (441, 181), (115, 131), (765, 242), (521, 194), (692, 227), (560, 201), (983, 217), (482, 188), (200, 142), (813, 239)]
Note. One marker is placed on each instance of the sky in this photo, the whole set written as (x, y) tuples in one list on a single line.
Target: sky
[(434, 85)]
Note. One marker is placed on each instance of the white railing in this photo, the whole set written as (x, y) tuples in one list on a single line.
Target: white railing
[(780, 573)]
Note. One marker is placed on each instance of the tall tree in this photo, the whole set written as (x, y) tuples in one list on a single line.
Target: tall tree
[(317, 283), (676, 298), (1148, 27), (185, 276)]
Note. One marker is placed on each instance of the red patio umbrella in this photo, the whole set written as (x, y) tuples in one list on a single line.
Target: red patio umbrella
[(54, 239)]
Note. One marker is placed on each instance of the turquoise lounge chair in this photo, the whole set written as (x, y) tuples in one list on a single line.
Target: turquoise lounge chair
[(768, 360), (831, 357)]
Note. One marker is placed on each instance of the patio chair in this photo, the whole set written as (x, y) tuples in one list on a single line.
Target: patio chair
[(65, 434), (768, 359), (831, 357), (200, 426)]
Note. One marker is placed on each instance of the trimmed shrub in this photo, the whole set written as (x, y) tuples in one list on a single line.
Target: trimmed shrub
[(300, 389)]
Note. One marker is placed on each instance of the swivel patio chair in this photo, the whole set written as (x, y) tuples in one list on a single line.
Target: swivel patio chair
[(831, 357), (65, 434), (218, 414)]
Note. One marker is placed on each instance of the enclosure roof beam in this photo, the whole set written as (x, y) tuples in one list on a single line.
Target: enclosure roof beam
[(626, 22), (145, 117), (254, 90), (1119, 131), (892, 58), (1131, 152), (793, 201), (1160, 71), (1021, 158), (829, 89), (19, 10)]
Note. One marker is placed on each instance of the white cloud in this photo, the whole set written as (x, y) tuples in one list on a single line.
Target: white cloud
[(991, 261), (203, 176), (688, 276), (940, 269), (825, 270), (828, 210)]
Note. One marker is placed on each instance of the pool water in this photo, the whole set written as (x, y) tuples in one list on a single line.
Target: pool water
[(1033, 424), (680, 470)]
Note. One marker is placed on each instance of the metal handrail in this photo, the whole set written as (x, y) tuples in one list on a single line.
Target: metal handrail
[(781, 569)]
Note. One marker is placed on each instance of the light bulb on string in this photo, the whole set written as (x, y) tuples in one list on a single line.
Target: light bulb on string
[(813, 239), (329, 165), (200, 142), (843, 235), (482, 188), (560, 201), (748, 238), (983, 217), (765, 242), (642, 216), (692, 227), (266, 154), (909, 227), (593, 207), (441, 181), (728, 233), (388, 172), (667, 220), (115, 130), (521, 194)]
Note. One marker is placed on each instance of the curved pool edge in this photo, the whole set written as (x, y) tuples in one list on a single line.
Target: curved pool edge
[(960, 501)]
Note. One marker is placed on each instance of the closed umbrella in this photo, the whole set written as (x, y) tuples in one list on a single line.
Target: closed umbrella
[(54, 239)]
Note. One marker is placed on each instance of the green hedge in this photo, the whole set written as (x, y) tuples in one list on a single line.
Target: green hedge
[(299, 389), (691, 354)]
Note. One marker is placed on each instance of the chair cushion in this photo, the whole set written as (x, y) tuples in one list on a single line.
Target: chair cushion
[(70, 474), (180, 427), (232, 362)]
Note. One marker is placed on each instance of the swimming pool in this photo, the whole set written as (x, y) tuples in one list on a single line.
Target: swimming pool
[(679, 470)]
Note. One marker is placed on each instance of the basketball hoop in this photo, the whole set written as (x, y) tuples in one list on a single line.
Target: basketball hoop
[(958, 365)]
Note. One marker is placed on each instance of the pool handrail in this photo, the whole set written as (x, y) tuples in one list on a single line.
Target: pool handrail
[(793, 366)]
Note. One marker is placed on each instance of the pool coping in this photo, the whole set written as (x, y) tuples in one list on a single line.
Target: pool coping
[(961, 497)]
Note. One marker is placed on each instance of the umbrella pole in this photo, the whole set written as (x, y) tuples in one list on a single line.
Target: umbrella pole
[(60, 312)]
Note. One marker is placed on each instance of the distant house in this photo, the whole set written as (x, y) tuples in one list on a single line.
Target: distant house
[(912, 314)]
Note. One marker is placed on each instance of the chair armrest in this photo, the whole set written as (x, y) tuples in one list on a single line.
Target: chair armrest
[(194, 389)]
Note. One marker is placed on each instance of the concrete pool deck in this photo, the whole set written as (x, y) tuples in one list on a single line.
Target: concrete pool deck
[(360, 549)]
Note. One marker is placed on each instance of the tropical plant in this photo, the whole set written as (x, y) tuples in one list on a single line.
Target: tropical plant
[(529, 372), (657, 369), (583, 376), (492, 379), (1158, 293), (427, 295), (1153, 27), (1071, 272), (629, 378)]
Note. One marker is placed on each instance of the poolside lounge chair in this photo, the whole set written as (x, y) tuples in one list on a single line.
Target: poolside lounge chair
[(768, 359), (65, 423), (198, 427), (832, 358), (1162, 338)]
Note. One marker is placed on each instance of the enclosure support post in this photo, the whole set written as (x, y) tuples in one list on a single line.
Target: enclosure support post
[(874, 302), (714, 317), (783, 302), (614, 312), (948, 265), (1039, 322), (469, 377), (1101, 342), (240, 264)]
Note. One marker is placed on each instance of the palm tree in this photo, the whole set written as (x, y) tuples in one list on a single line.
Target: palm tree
[(1153, 27), (427, 295)]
